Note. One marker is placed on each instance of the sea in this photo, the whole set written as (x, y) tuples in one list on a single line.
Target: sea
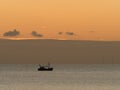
[(63, 77)]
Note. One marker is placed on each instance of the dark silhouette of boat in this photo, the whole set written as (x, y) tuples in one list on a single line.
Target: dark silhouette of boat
[(45, 68)]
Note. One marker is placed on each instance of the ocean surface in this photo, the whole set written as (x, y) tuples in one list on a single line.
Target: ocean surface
[(64, 77)]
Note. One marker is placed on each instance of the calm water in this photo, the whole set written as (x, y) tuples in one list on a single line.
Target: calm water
[(64, 77)]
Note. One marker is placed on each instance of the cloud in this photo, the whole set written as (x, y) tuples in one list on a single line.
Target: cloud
[(34, 33), (60, 33), (12, 33), (91, 31), (70, 33)]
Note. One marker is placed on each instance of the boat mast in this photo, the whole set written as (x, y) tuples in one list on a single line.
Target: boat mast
[(48, 64), (39, 65)]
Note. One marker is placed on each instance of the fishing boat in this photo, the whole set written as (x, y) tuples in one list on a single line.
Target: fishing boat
[(45, 68)]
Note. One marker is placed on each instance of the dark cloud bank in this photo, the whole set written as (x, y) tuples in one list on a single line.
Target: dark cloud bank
[(60, 33), (70, 33), (35, 34), (12, 33), (66, 33)]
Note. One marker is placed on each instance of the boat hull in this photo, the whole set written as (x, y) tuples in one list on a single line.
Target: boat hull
[(49, 69)]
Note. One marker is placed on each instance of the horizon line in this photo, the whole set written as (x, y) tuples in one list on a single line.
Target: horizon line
[(19, 39)]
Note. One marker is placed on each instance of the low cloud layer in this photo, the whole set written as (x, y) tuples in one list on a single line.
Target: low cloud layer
[(60, 33), (12, 33), (92, 31), (34, 33), (70, 33)]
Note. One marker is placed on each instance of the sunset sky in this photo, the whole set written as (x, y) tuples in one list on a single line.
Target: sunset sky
[(88, 19)]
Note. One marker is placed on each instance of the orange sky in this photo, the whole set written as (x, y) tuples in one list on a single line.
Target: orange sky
[(89, 19)]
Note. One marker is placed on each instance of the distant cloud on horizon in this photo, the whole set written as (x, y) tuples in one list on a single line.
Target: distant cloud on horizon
[(60, 33), (92, 31), (66, 33), (70, 33), (34, 33), (12, 33)]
